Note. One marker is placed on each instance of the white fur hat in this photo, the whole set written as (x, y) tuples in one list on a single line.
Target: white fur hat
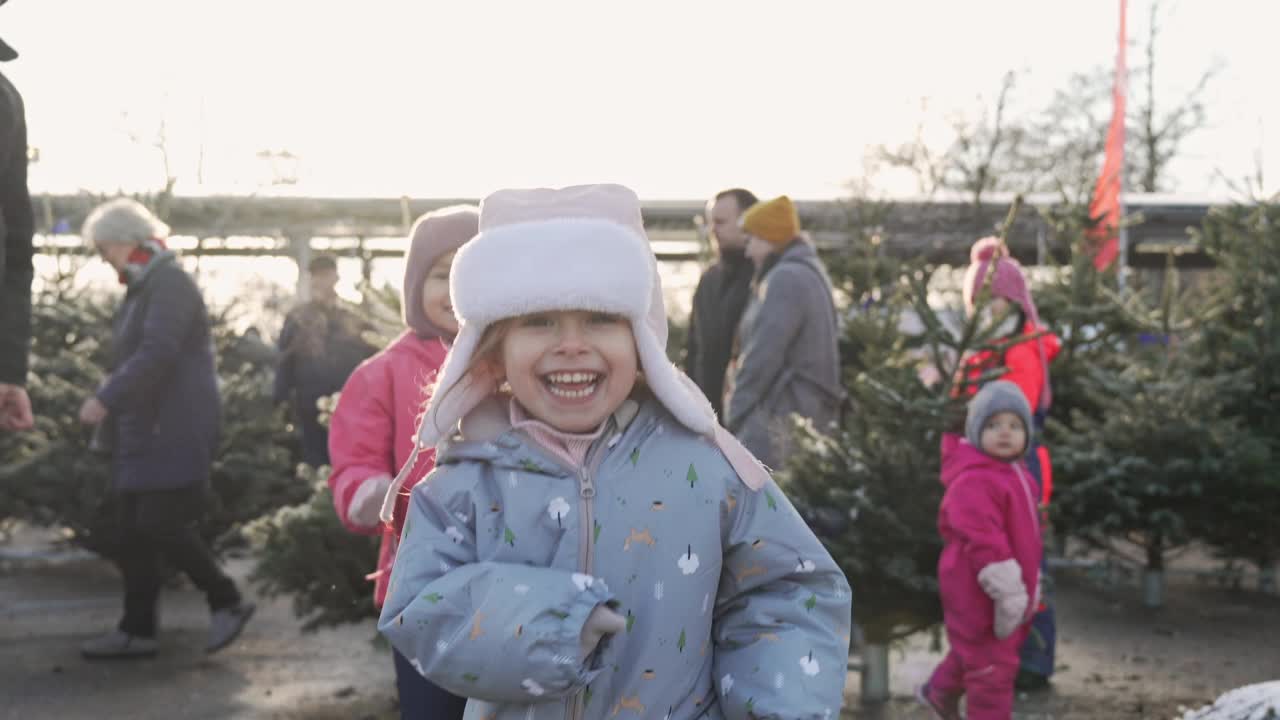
[(574, 248)]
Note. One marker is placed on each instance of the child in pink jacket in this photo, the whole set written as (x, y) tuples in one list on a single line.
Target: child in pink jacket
[(989, 572), (372, 430)]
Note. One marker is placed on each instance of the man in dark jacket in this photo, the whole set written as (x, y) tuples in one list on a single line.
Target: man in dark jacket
[(16, 229), (721, 296), (320, 345), (158, 414)]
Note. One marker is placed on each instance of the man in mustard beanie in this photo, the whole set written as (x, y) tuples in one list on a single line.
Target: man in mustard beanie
[(789, 361)]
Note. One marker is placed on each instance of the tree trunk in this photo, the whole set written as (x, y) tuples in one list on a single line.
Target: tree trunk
[(875, 673), (1153, 575), (1267, 578)]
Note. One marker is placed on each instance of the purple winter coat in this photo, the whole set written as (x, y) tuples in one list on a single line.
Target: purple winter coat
[(162, 394)]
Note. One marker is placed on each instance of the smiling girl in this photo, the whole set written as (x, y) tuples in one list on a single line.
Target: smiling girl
[(592, 543)]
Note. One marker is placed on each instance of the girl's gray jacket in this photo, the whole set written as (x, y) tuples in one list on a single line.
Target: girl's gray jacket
[(734, 609)]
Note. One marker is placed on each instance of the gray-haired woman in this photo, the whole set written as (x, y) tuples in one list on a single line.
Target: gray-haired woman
[(158, 411)]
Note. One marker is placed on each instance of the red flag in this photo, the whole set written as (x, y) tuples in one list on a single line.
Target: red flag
[(1104, 209)]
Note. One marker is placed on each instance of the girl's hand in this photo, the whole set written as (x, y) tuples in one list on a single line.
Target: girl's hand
[(1002, 582), (602, 621), (366, 501), (92, 411), (15, 408), (1011, 610)]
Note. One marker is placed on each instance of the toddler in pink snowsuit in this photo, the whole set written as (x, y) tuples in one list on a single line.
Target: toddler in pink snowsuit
[(989, 572)]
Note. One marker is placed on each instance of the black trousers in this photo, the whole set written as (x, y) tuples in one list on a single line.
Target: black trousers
[(420, 699), (163, 525)]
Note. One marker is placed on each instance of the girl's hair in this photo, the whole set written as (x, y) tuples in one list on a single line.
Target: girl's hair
[(487, 351), (489, 348)]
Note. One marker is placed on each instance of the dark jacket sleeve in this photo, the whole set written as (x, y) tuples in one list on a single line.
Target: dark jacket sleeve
[(17, 227), (691, 338), (170, 313), (15, 324)]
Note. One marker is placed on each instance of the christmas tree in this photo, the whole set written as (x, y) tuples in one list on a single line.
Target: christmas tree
[(1150, 439), (50, 476), (47, 475), (1243, 336), (870, 488), (1087, 313), (304, 552)]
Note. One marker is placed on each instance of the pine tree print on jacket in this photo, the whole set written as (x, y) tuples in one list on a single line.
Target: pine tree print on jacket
[(733, 607)]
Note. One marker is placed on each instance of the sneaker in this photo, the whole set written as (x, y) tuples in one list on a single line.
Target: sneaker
[(118, 645), (225, 625), (941, 710)]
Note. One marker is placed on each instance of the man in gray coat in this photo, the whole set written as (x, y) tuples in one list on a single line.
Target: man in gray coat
[(789, 360)]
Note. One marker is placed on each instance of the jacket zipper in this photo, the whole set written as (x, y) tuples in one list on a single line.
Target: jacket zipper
[(586, 530), (1026, 490), (1032, 505)]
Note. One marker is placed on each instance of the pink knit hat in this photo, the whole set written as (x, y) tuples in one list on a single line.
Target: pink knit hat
[(989, 261), (433, 236), (574, 248)]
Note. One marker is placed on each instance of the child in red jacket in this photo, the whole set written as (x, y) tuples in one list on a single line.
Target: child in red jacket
[(372, 429), (989, 571)]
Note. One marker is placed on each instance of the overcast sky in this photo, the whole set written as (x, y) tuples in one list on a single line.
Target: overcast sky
[(676, 99)]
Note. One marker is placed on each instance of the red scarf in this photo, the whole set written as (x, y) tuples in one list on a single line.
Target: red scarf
[(140, 256)]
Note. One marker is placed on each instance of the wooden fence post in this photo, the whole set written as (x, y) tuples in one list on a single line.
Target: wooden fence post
[(300, 249), (366, 261)]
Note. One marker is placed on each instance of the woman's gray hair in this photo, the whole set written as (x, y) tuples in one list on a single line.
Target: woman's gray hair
[(122, 221)]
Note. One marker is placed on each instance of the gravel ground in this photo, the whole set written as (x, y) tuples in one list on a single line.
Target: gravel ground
[(1116, 659)]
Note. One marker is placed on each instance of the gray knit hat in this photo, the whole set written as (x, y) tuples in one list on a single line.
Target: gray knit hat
[(997, 397)]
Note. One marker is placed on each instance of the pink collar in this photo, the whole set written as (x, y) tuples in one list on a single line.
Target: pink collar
[(570, 447)]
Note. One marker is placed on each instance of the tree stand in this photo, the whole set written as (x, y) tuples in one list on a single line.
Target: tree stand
[(875, 673), (1152, 588), (1267, 579)]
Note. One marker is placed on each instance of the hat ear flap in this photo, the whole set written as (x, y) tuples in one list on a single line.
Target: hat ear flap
[(675, 391), (657, 317), (457, 391), (682, 397), (750, 470), (975, 276)]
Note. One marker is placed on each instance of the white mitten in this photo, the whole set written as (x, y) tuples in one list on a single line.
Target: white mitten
[(1002, 581), (601, 622), (366, 501)]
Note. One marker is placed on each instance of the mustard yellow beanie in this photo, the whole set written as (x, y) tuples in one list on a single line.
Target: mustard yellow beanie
[(775, 221)]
